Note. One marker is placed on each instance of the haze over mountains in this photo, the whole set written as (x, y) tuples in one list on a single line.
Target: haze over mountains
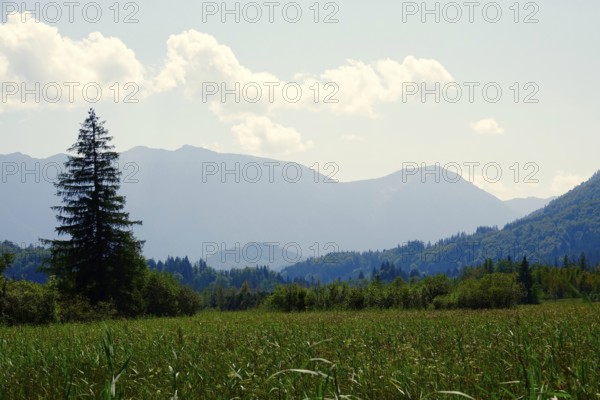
[(527, 205), (229, 207), (568, 226)]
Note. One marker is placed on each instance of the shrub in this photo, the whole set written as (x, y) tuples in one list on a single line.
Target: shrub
[(434, 286), (23, 302), (356, 299), (445, 302), (408, 297), (189, 301), (161, 294), (491, 291), (288, 298)]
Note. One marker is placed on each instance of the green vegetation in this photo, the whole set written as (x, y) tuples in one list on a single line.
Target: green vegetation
[(98, 271), (503, 284), (24, 302), (440, 292), (414, 339), (26, 262), (532, 352), (167, 291), (5, 260), (100, 259)]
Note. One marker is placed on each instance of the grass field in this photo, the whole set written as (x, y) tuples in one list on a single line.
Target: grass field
[(535, 352)]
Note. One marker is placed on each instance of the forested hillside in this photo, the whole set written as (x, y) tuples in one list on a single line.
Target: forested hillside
[(567, 227), (26, 262)]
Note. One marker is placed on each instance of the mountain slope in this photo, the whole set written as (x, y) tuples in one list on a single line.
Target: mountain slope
[(200, 203), (567, 226)]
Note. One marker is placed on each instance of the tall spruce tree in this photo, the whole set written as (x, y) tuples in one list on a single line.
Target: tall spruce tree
[(101, 259)]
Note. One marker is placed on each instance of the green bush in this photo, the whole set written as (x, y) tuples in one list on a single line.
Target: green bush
[(356, 299), (408, 297), (491, 291), (164, 296), (445, 302), (434, 286), (189, 301), (161, 294), (288, 298), (23, 302)]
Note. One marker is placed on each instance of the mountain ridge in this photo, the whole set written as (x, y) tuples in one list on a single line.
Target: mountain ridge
[(187, 206), (569, 226)]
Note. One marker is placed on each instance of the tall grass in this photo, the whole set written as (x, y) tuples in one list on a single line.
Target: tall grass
[(537, 352)]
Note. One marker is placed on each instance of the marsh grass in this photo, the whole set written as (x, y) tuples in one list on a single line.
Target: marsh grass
[(536, 352)]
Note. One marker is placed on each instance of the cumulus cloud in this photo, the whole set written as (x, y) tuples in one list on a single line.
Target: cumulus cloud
[(197, 60), (487, 126), (206, 69), (260, 135), (203, 69), (362, 85), (33, 53)]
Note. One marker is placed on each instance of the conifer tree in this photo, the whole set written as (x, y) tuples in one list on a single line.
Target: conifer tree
[(100, 258), (526, 279)]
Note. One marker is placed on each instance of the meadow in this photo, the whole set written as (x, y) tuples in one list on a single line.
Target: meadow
[(530, 352)]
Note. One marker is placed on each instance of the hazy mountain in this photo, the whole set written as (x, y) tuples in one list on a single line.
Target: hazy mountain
[(199, 203), (527, 205), (567, 226)]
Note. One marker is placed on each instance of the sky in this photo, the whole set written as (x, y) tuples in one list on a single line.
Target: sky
[(505, 93)]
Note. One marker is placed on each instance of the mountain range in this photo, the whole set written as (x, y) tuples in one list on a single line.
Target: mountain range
[(237, 210), (564, 232)]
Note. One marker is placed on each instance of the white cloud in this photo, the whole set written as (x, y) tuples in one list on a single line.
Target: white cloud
[(487, 126), (34, 53), (261, 135), (197, 60), (362, 85), (564, 181)]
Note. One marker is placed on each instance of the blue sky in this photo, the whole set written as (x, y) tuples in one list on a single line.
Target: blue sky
[(369, 59)]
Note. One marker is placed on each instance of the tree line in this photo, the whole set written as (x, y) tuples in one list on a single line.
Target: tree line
[(502, 284)]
